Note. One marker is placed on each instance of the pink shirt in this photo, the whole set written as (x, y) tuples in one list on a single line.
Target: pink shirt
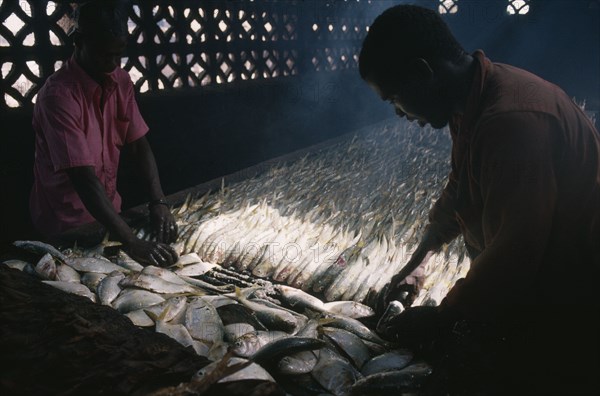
[(72, 129)]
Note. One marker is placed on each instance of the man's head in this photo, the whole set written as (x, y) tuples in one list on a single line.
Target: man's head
[(405, 57), (100, 35)]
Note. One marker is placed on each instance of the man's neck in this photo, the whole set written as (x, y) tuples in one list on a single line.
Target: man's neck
[(89, 70)]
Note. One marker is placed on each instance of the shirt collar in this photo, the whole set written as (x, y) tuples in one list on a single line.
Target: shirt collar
[(483, 66)]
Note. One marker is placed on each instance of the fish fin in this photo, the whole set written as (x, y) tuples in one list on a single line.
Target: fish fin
[(152, 315)]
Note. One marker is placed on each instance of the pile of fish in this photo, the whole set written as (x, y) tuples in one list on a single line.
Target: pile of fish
[(337, 223), (276, 332)]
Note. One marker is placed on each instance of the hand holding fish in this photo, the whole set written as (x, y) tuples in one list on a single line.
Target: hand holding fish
[(151, 253), (417, 328)]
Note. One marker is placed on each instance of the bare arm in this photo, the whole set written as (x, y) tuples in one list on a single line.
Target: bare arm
[(161, 219), (93, 196)]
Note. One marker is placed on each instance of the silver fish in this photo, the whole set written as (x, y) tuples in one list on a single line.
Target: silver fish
[(351, 309), (67, 274), (131, 300), (195, 269), (350, 344), (250, 343), (203, 321), (140, 318), (169, 309), (235, 330), (127, 262), (16, 264), (276, 319), (299, 299), (354, 326), (108, 289), (394, 360), (334, 373), (164, 274), (92, 280), (73, 288), (40, 248), (156, 284), (298, 363), (91, 264), (46, 267)]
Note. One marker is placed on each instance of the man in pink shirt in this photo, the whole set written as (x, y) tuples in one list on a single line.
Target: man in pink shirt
[(85, 114)]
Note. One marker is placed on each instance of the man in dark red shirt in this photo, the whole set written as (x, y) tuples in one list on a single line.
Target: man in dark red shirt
[(84, 115), (524, 192)]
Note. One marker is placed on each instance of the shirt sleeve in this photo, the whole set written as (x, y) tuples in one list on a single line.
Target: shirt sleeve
[(59, 118), (137, 126), (512, 160), (442, 220)]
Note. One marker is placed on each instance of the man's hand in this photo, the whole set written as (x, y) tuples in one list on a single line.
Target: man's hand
[(163, 224), (418, 327), (405, 285), (151, 253)]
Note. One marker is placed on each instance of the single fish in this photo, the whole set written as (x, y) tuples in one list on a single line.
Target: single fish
[(140, 318), (196, 269), (73, 288), (334, 373), (250, 343), (273, 318), (203, 321), (298, 363), (92, 280), (236, 330), (237, 313), (176, 331), (127, 262), (108, 289), (16, 264), (91, 264), (390, 382), (354, 326), (132, 299), (351, 309), (41, 248), (207, 286), (67, 274), (156, 284), (164, 274), (349, 344), (252, 372), (219, 300), (271, 353), (170, 308), (298, 299), (46, 267), (394, 360)]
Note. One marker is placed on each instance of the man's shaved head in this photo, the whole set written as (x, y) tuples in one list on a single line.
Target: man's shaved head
[(102, 19), (403, 33)]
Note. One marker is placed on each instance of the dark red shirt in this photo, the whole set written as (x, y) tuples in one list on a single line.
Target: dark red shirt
[(524, 191)]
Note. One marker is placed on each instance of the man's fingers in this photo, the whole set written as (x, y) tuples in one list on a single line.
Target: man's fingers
[(167, 253), (171, 252), (153, 260), (160, 254)]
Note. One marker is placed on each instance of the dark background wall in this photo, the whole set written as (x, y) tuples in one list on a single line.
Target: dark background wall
[(202, 132)]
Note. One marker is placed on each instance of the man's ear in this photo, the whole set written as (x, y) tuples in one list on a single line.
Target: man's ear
[(421, 70)]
